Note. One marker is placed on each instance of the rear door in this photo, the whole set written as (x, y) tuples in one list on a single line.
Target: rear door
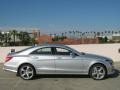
[(43, 59)]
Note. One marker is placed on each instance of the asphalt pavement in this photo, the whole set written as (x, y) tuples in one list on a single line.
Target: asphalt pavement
[(9, 81)]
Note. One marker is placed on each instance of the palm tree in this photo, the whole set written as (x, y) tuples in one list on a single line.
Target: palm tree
[(39, 33), (5, 38), (70, 33), (112, 32), (79, 34), (86, 34), (8, 37), (73, 33), (83, 35), (105, 32), (14, 34), (119, 32), (94, 34), (0, 37), (116, 32), (91, 33), (62, 34), (98, 34), (76, 34), (50, 34), (24, 38), (101, 33), (21, 37), (109, 32), (54, 34), (65, 34)]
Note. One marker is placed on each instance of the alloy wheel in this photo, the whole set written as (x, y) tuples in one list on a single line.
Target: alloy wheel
[(98, 72), (26, 72)]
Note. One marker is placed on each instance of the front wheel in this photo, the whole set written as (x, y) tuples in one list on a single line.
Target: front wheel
[(98, 72), (26, 72)]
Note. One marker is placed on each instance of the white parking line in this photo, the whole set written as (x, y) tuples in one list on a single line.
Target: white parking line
[(7, 78)]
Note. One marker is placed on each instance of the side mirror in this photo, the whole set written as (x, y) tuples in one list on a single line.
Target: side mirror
[(72, 54)]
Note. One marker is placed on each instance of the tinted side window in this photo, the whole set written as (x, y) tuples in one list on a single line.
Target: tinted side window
[(62, 51), (43, 51)]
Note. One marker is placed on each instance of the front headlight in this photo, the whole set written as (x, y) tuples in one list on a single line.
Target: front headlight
[(110, 62)]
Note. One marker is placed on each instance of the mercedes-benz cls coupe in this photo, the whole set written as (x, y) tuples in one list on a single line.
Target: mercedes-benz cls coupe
[(57, 59)]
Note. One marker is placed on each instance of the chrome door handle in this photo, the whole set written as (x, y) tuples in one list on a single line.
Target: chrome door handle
[(59, 57), (34, 57)]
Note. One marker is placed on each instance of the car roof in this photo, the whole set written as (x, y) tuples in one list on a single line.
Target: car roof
[(32, 48), (51, 45)]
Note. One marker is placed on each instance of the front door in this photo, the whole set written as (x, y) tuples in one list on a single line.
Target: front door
[(66, 62)]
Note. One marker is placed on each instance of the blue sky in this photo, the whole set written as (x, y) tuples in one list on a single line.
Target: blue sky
[(60, 15)]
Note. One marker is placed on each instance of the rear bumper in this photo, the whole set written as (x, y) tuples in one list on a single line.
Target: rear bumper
[(10, 68)]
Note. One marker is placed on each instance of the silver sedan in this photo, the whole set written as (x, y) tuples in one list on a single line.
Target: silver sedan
[(57, 59)]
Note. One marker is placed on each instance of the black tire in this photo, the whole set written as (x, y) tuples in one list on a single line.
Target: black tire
[(98, 72), (26, 72)]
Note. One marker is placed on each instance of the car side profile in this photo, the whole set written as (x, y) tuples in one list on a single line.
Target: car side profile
[(57, 59)]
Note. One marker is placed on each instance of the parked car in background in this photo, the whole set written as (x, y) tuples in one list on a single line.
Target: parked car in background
[(57, 59)]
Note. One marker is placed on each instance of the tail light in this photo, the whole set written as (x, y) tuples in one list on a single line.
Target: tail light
[(8, 58)]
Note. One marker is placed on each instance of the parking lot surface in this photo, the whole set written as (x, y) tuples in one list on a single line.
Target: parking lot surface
[(9, 81)]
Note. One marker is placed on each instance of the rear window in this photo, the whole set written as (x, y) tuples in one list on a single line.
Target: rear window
[(43, 51), (25, 49)]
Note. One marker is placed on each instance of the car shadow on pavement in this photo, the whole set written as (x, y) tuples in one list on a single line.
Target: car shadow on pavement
[(116, 74), (60, 76)]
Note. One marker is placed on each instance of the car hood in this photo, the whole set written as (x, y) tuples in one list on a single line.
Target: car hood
[(96, 57)]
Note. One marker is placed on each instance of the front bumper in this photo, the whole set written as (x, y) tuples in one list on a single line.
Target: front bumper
[(111, 70)]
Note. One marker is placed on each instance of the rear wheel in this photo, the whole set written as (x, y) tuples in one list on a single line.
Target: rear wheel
[(98, 72), (26, 72)]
